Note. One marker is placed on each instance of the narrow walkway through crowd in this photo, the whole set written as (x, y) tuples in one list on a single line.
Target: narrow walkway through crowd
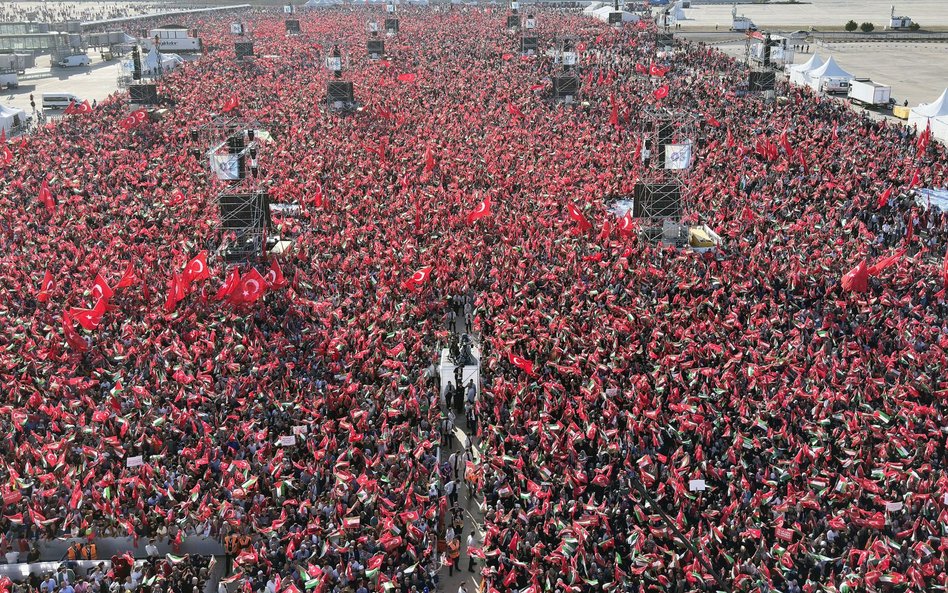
[(461, 450)]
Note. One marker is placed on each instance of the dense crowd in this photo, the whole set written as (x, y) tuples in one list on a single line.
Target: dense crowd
[(303, 428), (60, 12)]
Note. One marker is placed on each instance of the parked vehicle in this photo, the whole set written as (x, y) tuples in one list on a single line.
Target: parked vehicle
[(59, 100), (74, 61), (866, 92), (9, 80)]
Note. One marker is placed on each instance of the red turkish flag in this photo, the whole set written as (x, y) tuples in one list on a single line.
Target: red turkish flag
[(85, 107), (857, 279), (944, 272), (614, 114), (89, 318), (418, 278), (101, 290), (318, 196), (506, 57), (250, 288), (46, 197), (481, 211), (640, 69), (73, 338), (71, 108), (521, 363), (876, 268), (661, 92), (128, 278), (6, 155), (45, 286), (883, 200), (274, 275), (175, 293), (196, 269), (514, 110), (656, 70), (233, 279), (711, 121), (575, 214), (785, 143), (429, 160), (407, 77), (627, 224), (231, 104)]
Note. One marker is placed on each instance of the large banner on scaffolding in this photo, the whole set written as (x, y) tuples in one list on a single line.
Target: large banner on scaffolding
[(225, 166), (677, 156)]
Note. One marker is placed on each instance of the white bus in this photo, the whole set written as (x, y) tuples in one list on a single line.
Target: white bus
[(59, 100)]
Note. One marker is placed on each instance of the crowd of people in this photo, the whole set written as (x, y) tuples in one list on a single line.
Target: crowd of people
[(61, 12), (789, 429)]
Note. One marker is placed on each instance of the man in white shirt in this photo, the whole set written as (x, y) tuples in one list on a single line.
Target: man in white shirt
[(471, 543)]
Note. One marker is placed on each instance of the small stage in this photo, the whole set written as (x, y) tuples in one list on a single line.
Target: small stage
[(468, 373)]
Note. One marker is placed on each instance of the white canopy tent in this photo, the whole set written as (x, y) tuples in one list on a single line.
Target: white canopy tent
[(11, 117), (798, 72), (321, 3), (593, 7), (935, 113), (677, 14), (602, 13), (828, 71), (167, 62), (940, 129)]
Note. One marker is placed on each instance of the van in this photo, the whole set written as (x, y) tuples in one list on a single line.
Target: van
[(73, 61), (59, 100)]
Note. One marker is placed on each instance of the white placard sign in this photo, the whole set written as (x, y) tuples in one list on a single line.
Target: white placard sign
[(288, 440), (300, 430), (677, 156), (136, 461), (893, 506), (696, 485)]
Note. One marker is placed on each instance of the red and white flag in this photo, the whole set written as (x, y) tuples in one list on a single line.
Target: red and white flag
[(857, 279), (521, 363), (251, 287), (656, 70), (45, 286), (101, 290), (196, 270), (89, 318), (274, 276), (231, 104), (418, 279), (46, 197), (576, 215), (661, 92), (128, 278), (229, 286), (481, 211)]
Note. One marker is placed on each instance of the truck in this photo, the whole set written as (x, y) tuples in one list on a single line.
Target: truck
[(741, 23), (868, 93), (9, 79), (74, 61), (172, 38)]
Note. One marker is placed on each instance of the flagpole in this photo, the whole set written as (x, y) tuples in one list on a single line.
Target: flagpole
[(637, 484)]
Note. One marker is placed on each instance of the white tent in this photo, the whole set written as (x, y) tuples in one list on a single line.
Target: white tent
[(153, 60), (593, 7), (321, 3), (798, 72), (677, 14), (940, 129), (828, 71), (936, 113), (10, 117), (603, 13)]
